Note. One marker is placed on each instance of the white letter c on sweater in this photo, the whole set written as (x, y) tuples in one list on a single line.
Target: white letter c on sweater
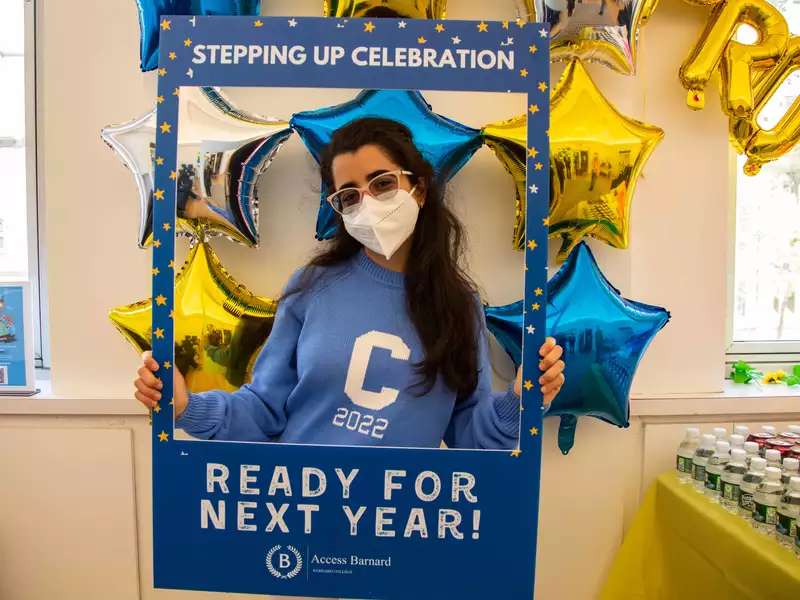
[(359, 361)]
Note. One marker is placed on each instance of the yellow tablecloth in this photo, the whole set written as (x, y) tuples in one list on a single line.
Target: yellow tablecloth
[(682, 546)]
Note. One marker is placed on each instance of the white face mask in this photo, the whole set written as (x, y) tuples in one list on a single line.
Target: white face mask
[(383, 225)]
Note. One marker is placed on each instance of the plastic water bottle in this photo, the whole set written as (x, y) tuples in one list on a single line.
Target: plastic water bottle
[(720, 458), (752, 452), (720, 433), (788, 514), (791, 468), (765, 501), (769, 429), (742, 430), (773, 458), (794, 428), (750, 481), (732, 478), (737, 441), (700, 460), (686, 451)]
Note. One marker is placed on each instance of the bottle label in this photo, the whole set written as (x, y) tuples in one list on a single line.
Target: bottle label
[(785, 525), (746, 501), (764, 514), (698, 472), (684, 465), (713, 481), (730, 491)]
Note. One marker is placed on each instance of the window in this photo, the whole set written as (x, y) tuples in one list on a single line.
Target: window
[(19, 240), (765, 312)]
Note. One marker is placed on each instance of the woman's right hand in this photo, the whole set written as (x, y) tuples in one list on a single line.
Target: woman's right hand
[(148, 386)]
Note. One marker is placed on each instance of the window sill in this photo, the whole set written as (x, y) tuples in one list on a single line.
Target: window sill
[(734, 399)]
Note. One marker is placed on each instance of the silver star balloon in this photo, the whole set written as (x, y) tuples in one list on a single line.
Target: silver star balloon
[(222, 153), (603, 31)]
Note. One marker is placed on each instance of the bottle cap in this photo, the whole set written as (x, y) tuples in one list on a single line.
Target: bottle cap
[(794, 484), (751, 447), (738, 455), (742, 430), (737, 441), (758, 464), (772, 455), (723, 447), (768, 429), (707, 441), (720, 433), (773, 474), (791, 464), (692, 433)]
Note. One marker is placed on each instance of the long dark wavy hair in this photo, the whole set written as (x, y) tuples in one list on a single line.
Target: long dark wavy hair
[(441, 298)]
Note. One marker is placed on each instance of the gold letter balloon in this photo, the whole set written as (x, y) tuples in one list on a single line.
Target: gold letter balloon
[(750, 74), (408, 9), (219, 325), (603, 31)]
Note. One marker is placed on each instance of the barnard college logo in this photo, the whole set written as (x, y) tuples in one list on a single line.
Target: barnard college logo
[(284, 564)]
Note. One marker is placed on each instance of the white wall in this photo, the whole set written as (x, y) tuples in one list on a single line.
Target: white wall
[(89, 78)]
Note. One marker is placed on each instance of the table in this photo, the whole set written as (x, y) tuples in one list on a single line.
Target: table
[(683, 546)]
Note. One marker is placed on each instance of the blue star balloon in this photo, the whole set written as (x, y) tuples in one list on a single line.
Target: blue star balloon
[(505, 324), (151, 11), (604, 336), (445, 143)]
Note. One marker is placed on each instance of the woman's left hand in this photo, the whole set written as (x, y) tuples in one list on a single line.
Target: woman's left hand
[(552, 368)]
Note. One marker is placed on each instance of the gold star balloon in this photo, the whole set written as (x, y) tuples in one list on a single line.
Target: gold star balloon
[(596, 156), (408, 9), (220, 326), (508, 139)]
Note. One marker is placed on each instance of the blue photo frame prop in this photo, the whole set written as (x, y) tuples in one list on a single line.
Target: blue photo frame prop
[(308, 549)]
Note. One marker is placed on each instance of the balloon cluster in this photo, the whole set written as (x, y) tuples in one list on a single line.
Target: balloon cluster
[(750, 74), (597, 155)]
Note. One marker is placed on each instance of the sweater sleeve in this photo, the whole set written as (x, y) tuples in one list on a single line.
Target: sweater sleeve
[(257, 410), (485, 419)]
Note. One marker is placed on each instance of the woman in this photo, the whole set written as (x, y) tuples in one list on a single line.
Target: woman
[(380, 340)]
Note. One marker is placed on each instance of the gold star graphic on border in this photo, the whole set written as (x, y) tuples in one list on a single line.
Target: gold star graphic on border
[(542, 86), (157, 244), (161, 300), (159, 332), (369, 26), (159, 160), (176, 91), (535, 306), (187, 42), (162, 71), (483, 26), (173, 175), (172, 56), (533, 49), (421, 40), (157, 408), (155, 271), (538, 166), (533, 152), (528, 385), (163, 436), (171, 264), (532, 245), (505, 24), (538, 291), (516, 452), (534, 431), (546, 221), (159, 99), (158, 194), (167, 364), (534, 108), (166, 226), (439, 27), (165, 24), (165, 127), (258, 23), (523, 72)]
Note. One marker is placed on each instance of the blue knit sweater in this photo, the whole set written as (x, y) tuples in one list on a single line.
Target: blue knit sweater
[(338, 369)]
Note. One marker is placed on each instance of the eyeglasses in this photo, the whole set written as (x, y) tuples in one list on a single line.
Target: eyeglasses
[(380, 187)]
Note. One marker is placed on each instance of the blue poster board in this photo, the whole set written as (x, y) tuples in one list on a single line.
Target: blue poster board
[(16, 340), (391, 522)]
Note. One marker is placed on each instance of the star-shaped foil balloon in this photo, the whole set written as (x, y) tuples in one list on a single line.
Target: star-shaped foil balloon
[(219, 325), (604, 337), (446, 144), (596, 156), (151, 23), (408, 9), (508, 140), (601, 31), (222, 153), (505, 324)]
